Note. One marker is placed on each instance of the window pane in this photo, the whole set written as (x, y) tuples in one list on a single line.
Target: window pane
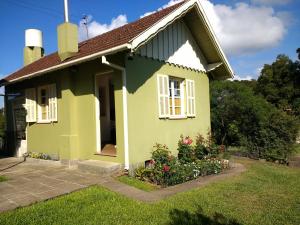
[(177, 102), (44, 112), (177, 92), (178, 111)]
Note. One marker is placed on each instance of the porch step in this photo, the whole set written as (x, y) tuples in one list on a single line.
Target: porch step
[(99, 167)]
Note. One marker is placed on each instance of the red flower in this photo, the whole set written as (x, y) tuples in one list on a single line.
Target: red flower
[(166, 168), (152, 162)]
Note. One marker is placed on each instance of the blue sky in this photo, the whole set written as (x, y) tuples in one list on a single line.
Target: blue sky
[(252, 32)]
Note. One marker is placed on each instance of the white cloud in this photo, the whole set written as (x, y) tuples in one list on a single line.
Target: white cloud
[(170, 3), (271, 2), (95, 28), (241, 29), (245, 28), (239, 78)]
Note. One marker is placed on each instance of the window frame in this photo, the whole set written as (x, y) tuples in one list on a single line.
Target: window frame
[(172, 106), (51, 101), (39, 99)]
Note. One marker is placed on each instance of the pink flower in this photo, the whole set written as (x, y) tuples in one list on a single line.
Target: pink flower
[(166, 168), (187, 141), (152, 162)]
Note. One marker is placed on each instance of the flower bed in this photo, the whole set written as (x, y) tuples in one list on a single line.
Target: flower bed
[(192, 161)]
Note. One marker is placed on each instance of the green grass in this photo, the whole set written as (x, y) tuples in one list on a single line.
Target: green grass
[(137, 183), (265, 194), (3, 178)]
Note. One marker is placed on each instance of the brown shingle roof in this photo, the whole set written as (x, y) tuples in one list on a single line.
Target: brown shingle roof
[(114, 38)]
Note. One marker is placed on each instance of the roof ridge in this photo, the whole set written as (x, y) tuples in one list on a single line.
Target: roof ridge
[(108, 40), (137, 20)]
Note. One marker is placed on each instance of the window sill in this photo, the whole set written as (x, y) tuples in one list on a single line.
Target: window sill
[(177, 117), (45, 122)]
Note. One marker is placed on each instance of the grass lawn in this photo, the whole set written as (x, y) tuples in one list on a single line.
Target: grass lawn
[(2, 178), (265, 194), (137, 183)]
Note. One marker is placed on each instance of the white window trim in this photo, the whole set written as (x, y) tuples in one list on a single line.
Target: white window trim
[(189, 97), (39, 119), (165, 114), (183, 114), (39, 108), (30, 105)]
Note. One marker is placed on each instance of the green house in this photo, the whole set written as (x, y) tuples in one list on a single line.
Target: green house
[(112, 97)]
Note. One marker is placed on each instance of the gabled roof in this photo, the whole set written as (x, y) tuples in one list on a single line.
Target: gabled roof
[(130, 36)]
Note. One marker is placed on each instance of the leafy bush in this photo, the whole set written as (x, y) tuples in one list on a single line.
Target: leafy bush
[(240, 118), (165, 169), (185, 150), (38, 155)]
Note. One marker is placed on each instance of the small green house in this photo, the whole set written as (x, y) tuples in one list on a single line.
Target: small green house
[(112, 97)]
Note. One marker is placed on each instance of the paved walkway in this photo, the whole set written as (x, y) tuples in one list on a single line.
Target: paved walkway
[(30, 182), (160, 194)]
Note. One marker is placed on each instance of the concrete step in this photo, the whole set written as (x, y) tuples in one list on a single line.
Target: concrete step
[(99, 167)]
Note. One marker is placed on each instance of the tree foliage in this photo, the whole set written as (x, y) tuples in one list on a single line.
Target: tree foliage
[(279, 84), (241, 118)]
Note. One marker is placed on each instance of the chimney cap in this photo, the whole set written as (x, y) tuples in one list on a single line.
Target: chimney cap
[(33, 38)]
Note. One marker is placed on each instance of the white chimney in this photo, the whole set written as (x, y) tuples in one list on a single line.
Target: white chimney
[(33, 49), (33, 38)]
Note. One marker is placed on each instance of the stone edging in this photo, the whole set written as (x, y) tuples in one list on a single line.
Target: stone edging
[(160, 194)]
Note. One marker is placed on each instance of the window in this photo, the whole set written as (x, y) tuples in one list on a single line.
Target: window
[(176, 97), (47, 103), (176, 94)]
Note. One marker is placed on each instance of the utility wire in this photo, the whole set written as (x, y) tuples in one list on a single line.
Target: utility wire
[(41, 9)]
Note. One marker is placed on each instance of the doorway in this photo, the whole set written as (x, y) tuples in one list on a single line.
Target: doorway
[(19, 123), (106, 114)]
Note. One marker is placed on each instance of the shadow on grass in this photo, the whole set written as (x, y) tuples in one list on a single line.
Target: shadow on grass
[(179, 217)]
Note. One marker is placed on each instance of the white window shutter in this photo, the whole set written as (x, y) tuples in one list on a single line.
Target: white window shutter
[(163, 96), (190, 98), (30, 102), (52, 102)]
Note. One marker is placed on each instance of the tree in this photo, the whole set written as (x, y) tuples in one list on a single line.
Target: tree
[(279, 84), (241, 118)]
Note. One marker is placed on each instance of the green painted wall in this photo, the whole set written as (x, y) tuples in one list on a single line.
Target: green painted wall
[(73, 136), (145, 127)]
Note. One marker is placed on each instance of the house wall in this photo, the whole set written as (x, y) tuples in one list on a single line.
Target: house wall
[(73, 136), (145, 127)]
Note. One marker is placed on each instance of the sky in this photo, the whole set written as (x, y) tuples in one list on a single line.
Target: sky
[(251, 32)]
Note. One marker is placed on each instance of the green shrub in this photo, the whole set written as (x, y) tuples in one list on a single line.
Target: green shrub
[(165, 169), (200, 149), (185, 150)]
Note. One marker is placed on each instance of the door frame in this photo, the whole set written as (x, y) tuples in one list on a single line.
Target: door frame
[(18, 146), (97, 110)]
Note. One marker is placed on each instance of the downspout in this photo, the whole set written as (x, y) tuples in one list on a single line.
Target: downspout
[(125, 113)]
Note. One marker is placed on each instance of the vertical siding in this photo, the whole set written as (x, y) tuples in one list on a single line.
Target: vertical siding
[(175, 45)]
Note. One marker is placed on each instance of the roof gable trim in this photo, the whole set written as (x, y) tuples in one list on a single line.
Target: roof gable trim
[(163, 23)]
